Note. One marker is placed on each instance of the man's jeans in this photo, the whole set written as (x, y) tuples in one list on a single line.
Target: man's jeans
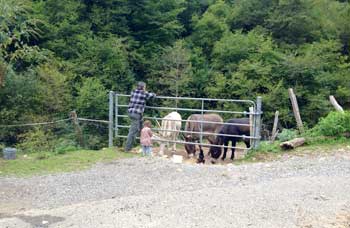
[(135, 127)]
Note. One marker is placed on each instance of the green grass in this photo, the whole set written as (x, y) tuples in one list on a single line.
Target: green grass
[(268, 152), (45, 163)]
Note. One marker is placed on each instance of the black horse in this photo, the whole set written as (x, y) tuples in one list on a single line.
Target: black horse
[(237, 130)]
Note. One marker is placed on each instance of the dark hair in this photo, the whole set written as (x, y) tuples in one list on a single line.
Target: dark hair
[(141, 85)]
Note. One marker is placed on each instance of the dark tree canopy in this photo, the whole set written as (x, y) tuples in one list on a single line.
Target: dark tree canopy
[(56, 56)]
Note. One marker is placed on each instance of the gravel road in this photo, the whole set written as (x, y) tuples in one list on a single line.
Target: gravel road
[(295, 191)]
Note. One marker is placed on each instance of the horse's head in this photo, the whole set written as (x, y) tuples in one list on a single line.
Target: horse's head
[(190, 148), (215, 151)]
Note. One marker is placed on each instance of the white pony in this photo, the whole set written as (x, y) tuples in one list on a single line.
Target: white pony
[(170, 129)]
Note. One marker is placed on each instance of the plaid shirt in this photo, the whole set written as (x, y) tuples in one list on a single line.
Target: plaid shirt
[(138, 101)]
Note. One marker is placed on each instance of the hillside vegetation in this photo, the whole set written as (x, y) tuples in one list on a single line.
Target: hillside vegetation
[(58, 56)]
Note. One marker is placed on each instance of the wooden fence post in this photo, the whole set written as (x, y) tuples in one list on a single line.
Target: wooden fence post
[(295, 106), (78, 131), (335, 104), (274, 129)]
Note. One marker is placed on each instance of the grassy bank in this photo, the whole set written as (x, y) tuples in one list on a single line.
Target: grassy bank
[(45, 163), (269, 152)]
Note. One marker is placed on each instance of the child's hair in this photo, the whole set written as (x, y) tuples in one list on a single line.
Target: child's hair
[(147, 123)]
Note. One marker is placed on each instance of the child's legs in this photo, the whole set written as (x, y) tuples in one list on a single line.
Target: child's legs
[(148, 150), (144, 150)]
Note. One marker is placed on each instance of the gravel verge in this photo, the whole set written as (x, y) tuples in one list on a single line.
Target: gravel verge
[(154, 192)]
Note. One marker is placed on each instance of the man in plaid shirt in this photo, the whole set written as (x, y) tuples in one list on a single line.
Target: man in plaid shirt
[(135, 110)]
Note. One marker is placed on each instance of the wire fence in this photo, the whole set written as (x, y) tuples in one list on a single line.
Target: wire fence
[(74, 131)]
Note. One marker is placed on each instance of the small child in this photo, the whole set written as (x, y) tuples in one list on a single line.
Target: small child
[(145, 140)]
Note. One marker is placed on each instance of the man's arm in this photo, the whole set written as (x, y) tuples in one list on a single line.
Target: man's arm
[(149, 95)]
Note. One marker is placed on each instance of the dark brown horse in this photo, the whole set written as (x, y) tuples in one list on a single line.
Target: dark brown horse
[(195, 126), (240, 129)]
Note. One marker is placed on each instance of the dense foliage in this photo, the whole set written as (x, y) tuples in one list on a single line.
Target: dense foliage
[(56, 56), (335, 124)]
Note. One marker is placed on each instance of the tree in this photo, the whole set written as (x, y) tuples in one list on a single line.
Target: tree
[(210, 27), (17, 32), (155, 21), (247, 14), (291, 21), (175, 69)]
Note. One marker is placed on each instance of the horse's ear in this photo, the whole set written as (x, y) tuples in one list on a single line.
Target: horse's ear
[(188, 136), (219, 141)]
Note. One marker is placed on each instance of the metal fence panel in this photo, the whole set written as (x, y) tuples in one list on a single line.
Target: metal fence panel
[(254, 133)]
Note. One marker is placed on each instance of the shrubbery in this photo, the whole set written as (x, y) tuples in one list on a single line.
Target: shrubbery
[(39, 140), (335, 124), (287, 135)]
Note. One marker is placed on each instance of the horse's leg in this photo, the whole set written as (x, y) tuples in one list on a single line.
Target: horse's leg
[(174, 139), (201, 155), (161, 149), (233, 148), (247, 143), (225, 149)]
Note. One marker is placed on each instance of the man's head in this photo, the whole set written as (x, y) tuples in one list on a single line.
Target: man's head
[(141, 85)]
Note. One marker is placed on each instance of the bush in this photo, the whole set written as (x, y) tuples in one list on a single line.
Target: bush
[(65, 145), (2, 146), (287, 135), (335, 124), (268, 147), (36, 141)]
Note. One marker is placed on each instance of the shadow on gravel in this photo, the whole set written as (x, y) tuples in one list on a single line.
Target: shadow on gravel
[(41, 221)]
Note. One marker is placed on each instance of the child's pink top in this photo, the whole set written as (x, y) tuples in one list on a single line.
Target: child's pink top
[(146, 135)]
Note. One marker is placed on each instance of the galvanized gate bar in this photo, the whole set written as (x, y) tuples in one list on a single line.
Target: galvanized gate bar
[(110, 124), (197, 121), (116, 115), (191, 143), (189, 109), (202, 112), (257, 122), (198, 99), (191, 121), (197, 132)]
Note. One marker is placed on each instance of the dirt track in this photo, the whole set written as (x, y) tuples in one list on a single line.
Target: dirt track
[(309, 191)]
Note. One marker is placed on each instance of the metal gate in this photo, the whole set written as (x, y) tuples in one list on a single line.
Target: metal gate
[(118, 105)]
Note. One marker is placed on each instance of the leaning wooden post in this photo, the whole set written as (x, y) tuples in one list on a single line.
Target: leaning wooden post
[(295, 106), (335, 104), (274, 129), (258, 113), (110, 123), (78, 131)]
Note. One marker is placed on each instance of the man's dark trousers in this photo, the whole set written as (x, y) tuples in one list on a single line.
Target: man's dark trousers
[(135, 127)]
